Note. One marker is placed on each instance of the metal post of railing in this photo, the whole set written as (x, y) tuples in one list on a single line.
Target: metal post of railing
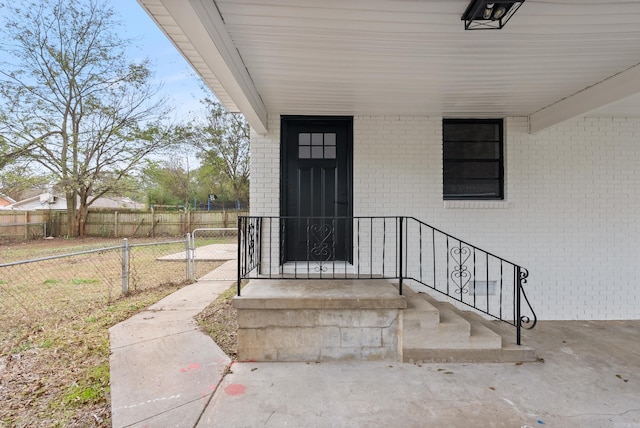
[(125, 266), (258, 246), (518, 292), (239, 252), (189, 257), (401, 255)]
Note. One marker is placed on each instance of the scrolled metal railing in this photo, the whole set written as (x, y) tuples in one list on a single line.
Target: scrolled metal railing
[(396, 248)]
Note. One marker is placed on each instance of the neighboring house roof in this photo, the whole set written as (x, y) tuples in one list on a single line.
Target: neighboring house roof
[(554, 61), (48, 201), (5, 200), (117, 202)]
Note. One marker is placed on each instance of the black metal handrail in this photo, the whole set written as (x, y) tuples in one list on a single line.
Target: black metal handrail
[(395, 248)]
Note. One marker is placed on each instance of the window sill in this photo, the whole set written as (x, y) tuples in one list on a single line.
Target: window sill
[(492, 205)]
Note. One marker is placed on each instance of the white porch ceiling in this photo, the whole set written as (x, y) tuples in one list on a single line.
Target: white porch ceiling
[(555, 59)]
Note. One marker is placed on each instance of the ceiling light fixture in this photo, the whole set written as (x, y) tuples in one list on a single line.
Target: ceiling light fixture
[(489, 14)]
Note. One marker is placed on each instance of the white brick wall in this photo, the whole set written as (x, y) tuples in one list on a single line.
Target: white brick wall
[(264, 198), (570, 214)]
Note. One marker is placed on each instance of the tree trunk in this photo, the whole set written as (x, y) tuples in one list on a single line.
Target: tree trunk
[(81, 215), (83, 210), (72, 224)]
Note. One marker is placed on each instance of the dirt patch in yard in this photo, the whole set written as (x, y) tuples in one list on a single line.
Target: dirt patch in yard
[(220, 321)]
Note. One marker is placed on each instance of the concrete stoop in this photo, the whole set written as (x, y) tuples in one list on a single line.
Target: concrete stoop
[(328, 320), (318, 320), (435, 331)]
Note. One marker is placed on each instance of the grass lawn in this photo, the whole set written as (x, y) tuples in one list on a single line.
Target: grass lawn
[(55, 316)]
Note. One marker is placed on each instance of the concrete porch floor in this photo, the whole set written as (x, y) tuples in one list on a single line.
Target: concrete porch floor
[(590, 377), (165, 372)]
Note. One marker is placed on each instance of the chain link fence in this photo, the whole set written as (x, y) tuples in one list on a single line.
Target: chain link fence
[(59, 297), (61, 285)]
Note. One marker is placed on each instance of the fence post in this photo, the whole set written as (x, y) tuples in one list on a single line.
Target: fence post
[(125, 266), (189, 256)]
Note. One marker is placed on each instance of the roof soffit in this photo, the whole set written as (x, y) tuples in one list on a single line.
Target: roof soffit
[(412, 57), (198, 32)]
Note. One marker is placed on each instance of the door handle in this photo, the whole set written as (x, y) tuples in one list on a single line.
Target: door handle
[(341, 202)]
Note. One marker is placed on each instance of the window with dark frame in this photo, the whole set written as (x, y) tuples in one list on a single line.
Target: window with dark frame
[(317, 145), (473, 159)]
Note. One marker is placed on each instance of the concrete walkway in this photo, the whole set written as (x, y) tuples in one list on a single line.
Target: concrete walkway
[(163, 368), (211, 253), (166, 373)]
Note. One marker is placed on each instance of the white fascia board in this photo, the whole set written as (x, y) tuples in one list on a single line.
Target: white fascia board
[(608, 91), (202, 24)]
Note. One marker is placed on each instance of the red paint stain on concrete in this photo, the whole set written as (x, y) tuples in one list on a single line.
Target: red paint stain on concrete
[(191, 367), (235, 389), (208, 391)]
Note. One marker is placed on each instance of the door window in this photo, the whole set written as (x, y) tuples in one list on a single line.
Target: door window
[(317, 145)]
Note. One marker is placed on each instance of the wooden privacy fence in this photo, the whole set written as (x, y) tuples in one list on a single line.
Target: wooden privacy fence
[(103, 223), (23, 224)]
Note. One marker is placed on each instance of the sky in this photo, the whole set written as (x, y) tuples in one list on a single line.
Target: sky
[(181, 85)]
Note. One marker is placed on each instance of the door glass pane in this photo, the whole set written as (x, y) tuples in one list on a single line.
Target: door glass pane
[(304, 152), (330, 152), (317, 152), (316, 139), (304, 139), (330, 139)]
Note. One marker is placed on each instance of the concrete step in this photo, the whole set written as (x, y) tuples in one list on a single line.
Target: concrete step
[(442, 328), (481, 335), (510, 351), (419, 314), (459, 336)]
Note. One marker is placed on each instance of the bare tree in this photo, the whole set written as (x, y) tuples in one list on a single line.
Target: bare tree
[(72, 102), (224, 141)]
